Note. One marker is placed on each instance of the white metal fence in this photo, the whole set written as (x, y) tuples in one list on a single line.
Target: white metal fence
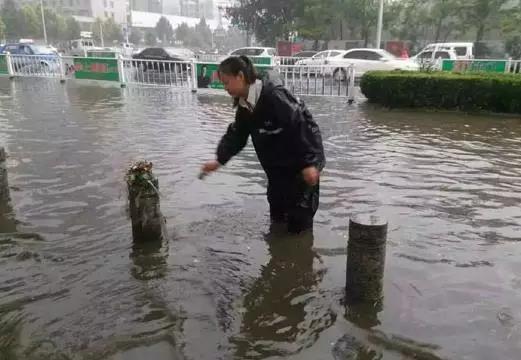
[(158, 73), (288, 60), (316, 80), (49, 66), (514, 66), (319, 80)]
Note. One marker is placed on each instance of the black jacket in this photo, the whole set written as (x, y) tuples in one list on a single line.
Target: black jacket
[(282, 129)]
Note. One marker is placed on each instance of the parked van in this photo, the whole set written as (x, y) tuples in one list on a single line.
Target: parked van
[(463, 50), (80, 47), (429, 59)]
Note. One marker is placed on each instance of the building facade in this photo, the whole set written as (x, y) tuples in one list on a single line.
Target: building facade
[(105, 9), (190, 8), (153, 6)]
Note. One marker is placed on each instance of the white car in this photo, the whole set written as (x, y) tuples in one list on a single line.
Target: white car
[(80, 47), (321, 58), (462, 50), (364, 60), (428, 59), (255, 51)]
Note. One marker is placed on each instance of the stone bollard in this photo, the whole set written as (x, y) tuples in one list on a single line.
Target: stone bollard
[(4, 186), (365, 259), (143, 195)]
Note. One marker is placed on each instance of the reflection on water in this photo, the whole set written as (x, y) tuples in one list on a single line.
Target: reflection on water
[(149, 259), (275, 319), (218, 287)]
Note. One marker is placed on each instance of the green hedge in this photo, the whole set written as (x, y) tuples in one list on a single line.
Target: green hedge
[(441, 90)]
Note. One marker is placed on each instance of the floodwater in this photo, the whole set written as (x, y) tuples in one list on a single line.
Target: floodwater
[(225, 286)]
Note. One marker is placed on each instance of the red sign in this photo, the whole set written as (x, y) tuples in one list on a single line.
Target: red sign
[(99, 68)]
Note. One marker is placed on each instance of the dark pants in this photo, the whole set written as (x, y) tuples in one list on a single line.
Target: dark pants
[(291, 199)]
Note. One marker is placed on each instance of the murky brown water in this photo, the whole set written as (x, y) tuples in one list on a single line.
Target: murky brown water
[(73, 286)]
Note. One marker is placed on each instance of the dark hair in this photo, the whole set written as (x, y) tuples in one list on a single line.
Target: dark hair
[(236, 64)]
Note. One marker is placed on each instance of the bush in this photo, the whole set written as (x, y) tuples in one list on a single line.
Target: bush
[(443, 90)]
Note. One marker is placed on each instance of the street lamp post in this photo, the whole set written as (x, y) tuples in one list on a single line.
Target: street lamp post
[(380, 25), (101, 34), (43, 21)]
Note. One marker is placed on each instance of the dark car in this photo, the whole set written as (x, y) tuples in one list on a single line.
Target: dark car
[(161, 59)]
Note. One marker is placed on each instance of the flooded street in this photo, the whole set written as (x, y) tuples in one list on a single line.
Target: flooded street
[(225, 286)]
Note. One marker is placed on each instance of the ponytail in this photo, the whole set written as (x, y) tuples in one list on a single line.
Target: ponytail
[(239, 64)]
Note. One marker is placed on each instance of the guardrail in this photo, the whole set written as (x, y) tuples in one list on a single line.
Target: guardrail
[(49, 66), (514, 66), (316, 80), (319, 80), (158, 73), (288, 60)]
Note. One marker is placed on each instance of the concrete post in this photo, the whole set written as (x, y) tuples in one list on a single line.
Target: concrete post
[(10, 68), (143, 195), (62, 70), (193, 67), (365, 259), (4, 186), (351, 85), (121, 70)]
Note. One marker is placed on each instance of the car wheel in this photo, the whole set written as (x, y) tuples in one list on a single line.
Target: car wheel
[(340, 74)]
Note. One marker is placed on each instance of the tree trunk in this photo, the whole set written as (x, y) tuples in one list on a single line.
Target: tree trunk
[(438, 30), (481, 32), (365, 35), (248, 38), (341, 30)]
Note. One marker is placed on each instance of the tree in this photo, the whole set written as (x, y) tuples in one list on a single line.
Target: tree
[(182, 33), (164, 30), (135, 36), (11, 19), (73, 29), (444, 17), (30, 21), (512, 32), (364, 14), (150, 38), (266, 19), (111, 31), (2, 29), (315, 19), (55, 24), (482, 14), (202, 35)]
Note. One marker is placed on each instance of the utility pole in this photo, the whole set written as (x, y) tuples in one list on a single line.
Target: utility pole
[(43, 22), (380, 25), (101, 34)]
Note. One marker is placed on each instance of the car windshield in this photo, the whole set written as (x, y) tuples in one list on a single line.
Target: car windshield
[(42, 50)]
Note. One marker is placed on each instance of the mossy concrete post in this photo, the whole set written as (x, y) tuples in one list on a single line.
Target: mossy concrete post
[(365, 259), (143, 196), (4, 186)]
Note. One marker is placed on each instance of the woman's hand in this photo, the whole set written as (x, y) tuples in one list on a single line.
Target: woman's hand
[(209, 167), (311, 175)]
